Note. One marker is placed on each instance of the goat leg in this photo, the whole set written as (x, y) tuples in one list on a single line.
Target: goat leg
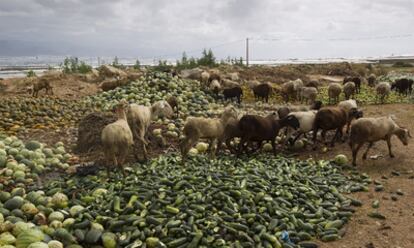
[(337, 134), (115, 164), (292, 142), (241, 144), (259, 145), (355, 153), (315, 132), (213, 149), (274, 145), (389, 146), (364, 156)]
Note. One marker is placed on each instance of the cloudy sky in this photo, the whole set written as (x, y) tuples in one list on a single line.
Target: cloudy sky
[(164, 28)]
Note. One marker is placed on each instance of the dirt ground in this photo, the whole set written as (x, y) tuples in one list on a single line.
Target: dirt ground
[(398, 227), (64, 87)]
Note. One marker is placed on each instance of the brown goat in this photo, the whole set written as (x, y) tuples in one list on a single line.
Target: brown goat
[(357, 82), (372, 79), (259, 129), (214, 76), (172, 100), (330, 118), (42, 84), (288, 90), (235, 92), (232, 131), (262, 91)]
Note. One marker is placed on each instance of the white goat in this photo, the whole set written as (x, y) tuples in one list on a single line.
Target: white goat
[(139, 118), (117, 138)]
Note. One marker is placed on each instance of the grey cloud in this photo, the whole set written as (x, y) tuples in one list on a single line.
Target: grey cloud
[(149, 28)]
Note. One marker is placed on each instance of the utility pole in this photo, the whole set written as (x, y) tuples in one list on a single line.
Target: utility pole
[(247, 52)]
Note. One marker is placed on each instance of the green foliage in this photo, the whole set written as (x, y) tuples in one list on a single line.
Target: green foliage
[(162, 66), (116, 63), (402, 64), (233, 61), (30, 73), (84, 68), (137, 65), (207, 59), (73, 65)]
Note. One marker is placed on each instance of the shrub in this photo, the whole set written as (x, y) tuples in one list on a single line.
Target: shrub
[(73, 65), (84, 68), (137, 65), (30, 73), (207, 59), (116, 63), (162, 66)]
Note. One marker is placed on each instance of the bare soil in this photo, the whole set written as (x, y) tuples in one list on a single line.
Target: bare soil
[(398, 227), (64, 87)]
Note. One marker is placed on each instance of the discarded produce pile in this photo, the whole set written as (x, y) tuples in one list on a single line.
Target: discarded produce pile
[(21, 163), (156, 86), (22, 113), (208, 203)]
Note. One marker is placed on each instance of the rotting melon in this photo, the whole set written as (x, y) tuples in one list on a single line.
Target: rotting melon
[(33, 145)]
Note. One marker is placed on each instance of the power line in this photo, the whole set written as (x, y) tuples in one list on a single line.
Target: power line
[(193, 51), (275, 39), (399, 36)]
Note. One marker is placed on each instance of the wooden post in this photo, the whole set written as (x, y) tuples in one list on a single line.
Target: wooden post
[(247, 52)]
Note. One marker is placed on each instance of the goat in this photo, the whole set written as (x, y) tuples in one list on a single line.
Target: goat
[(334, 90), (235, 92), (382, 89), (357, 82), (262, 91), (329, 118), (117, 138), (372, 130)]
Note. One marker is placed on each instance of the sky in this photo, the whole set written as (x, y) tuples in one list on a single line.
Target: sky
[(278, 29)]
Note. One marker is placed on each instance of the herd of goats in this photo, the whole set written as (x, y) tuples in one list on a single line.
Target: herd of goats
[(133, 121)]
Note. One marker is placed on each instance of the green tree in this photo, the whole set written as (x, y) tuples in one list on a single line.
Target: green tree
[(31, 73), (73, 65), (137, 65)]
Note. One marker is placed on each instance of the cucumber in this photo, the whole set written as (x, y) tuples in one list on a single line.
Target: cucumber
[(92, 236), (178, 242), (117, 204), (376, 215), (334, 224), (172, 210), (330, 237)]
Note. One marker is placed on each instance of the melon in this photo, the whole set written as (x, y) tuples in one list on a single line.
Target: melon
[(341, 159)]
